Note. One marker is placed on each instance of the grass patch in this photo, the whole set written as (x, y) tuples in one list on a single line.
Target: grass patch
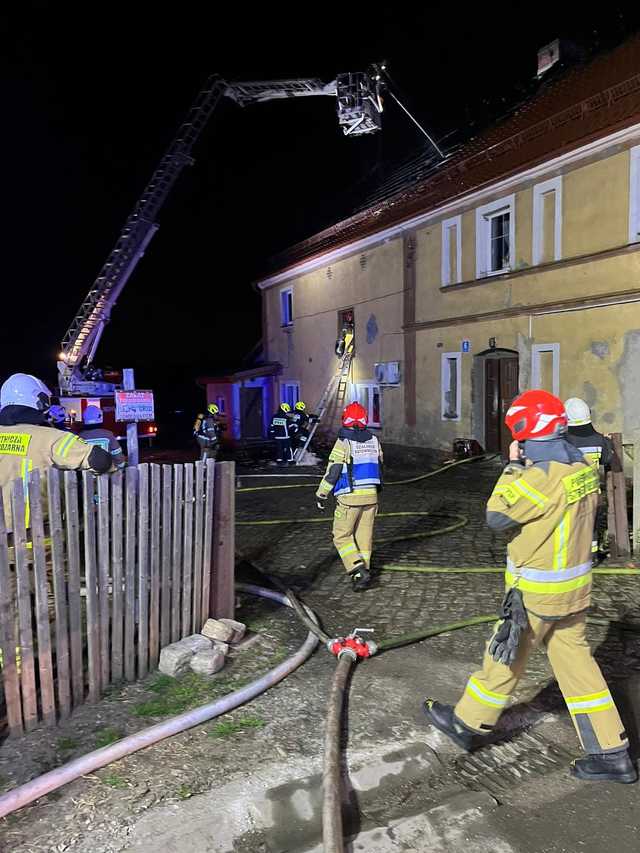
[(108, 736), (174, 695), (233, 726), (65, 744), (184, 792), (115, 781)]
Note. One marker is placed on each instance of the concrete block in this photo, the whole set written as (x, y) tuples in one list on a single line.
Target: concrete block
[(238, 628), (175, 659), (215, 629), (207, 662), (197, 643)]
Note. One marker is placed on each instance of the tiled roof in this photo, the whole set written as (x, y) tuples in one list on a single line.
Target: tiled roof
[(583, 104)]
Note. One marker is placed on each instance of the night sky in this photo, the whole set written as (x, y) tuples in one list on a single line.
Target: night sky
[(92, 94)]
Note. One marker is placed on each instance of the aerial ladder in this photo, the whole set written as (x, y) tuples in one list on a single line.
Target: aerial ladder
[(359, 108)]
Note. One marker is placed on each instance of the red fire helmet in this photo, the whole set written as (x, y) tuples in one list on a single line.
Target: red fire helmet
[(536, 415), (354, 415)]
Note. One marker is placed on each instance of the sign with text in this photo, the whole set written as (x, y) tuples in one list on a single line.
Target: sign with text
[(466, 345), (134, 406)]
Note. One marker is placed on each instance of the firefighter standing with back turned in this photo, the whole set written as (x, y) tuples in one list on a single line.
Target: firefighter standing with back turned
[(354, 475), (597, 449), (28, 443), (547, 495), (283, 429)]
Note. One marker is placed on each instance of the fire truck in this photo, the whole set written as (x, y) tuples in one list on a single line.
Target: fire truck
[(81, 383)]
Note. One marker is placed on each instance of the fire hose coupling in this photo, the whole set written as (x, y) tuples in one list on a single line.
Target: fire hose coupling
[(354, 645)]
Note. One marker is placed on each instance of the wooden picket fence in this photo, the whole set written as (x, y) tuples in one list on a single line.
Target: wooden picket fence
[(105, 572)]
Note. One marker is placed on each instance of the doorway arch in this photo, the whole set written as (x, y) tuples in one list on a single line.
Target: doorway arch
[(494, 383)]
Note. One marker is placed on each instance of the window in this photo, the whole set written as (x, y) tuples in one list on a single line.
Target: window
[(220, 404), (545, 367), (286, 306), (547, 221), (368, 395), (495, 237), (452, 250), (634, 195), (451, 386), (289, 393)]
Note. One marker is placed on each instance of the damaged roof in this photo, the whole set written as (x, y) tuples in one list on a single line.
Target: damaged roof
[(580, 105)]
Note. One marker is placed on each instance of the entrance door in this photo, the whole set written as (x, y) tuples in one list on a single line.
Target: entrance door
[(501, 386), (251, 425)]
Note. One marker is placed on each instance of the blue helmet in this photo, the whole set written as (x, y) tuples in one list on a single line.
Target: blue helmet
[(92, 415)]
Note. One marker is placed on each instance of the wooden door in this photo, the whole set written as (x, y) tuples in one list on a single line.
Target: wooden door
[(501, 386), (251, 412)]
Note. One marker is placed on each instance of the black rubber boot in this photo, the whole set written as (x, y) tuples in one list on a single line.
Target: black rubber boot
[(360, 578), (605, 767), (443, 718)]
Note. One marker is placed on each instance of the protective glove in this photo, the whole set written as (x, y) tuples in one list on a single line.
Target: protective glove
[(503, 646), (321, 503)]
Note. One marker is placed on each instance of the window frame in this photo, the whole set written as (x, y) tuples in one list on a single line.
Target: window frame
[(484, 214), (286, 316), (634, 194), (447, 225), (444, 385), (537, 243), (289, 383), (370, 386), (536, 351)]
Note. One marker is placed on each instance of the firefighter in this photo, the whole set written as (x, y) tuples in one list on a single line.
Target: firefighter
[(344, 342), (302, 420), (354, 476), (208, 431), (28, 443), (547, 497), (598, 451), (57, 416), (95, 434), (283, 429)]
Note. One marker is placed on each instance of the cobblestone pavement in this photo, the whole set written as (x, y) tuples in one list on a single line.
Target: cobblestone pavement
[(302, 555), (111, 811)]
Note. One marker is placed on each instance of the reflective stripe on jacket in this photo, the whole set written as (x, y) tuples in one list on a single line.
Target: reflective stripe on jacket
[(549, 558)]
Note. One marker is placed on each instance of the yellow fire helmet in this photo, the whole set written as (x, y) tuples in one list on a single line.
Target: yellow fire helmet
[(300, 406), (213, 409), (285, 407)]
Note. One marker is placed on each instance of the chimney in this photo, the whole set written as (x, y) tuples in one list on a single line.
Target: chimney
[(548, 56)]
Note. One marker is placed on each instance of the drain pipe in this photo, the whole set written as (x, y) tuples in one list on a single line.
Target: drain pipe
[(54, 779)]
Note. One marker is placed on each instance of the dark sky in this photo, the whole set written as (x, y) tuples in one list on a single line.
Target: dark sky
[(92, 94)]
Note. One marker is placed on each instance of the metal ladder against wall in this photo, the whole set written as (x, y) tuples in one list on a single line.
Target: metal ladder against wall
[(339, 383)]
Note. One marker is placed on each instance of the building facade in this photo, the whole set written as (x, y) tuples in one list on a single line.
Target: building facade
[(514, 265)]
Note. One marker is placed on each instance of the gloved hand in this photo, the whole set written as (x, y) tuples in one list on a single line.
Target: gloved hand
[(503, 646), (321, 503)]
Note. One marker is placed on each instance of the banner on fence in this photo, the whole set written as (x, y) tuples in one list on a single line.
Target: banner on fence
[(134, 406)]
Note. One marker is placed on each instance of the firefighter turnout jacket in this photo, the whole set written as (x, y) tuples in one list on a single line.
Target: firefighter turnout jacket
[(595, 447), (28, 444), (354, 472), (549, 559), (105, 439)]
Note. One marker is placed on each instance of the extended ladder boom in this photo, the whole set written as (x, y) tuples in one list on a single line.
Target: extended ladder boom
[(359, 106)]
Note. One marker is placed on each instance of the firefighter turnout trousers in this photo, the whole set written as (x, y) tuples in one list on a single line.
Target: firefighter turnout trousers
[(585, 691), (353, 533)]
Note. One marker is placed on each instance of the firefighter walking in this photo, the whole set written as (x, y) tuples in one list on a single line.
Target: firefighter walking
[(354, 476), (207, 431), (547, 496)]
